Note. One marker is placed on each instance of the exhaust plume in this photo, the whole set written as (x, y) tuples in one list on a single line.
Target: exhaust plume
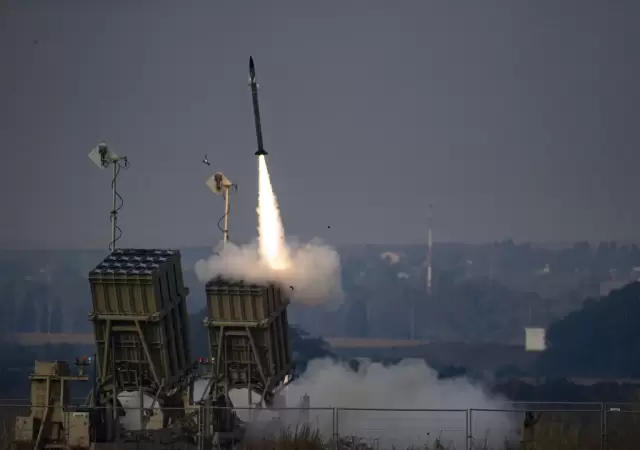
[(312, 276), (311, 271), (273, 249)]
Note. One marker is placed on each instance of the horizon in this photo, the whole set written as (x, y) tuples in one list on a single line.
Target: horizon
[(544, 244)]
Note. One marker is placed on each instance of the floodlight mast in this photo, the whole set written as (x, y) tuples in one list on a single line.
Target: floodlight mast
[(429, 247), (117, 164), (221, 185), (114, 211), (102, 156), (225, 232)]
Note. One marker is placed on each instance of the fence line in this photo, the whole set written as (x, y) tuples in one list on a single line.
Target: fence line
[(617, 423)]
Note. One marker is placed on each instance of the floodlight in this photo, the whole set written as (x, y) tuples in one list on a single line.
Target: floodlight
[(220, 185), (102, 156)]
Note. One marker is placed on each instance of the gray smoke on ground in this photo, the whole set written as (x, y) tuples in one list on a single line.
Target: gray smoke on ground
[(400, 405), (313, 277), (422, 405)]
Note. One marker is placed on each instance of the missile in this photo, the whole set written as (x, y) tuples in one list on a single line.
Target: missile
[(256, 108)]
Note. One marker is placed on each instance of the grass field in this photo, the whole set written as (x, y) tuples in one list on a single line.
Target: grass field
[(553, 432), (549, 435)]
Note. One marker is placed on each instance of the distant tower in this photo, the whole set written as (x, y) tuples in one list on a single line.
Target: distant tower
[(492, 261), (429, 248)]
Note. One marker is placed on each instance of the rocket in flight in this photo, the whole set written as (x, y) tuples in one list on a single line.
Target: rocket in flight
[(256, 107)]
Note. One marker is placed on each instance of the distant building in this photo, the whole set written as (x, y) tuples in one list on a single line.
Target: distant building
[(535, 339)]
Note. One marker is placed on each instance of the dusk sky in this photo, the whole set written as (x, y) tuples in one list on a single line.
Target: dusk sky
[(517, 119)]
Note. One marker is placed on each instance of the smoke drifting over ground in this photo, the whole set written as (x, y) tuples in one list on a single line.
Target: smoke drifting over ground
[(406, 387), (313, 272), (401, 405)]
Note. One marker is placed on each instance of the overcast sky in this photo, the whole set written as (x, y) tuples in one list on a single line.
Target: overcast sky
[(515, 118)]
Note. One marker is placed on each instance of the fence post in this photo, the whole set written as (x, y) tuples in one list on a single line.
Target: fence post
[(200, 428), (466, 429), (603, 426), (336, 431), (470, 434)]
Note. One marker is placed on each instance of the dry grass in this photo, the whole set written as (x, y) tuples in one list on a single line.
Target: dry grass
[(299, 438), (549, 435), (553, 432)]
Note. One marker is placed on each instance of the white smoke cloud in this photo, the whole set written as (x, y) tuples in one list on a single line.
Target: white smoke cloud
[(402, 405), (314, 272), (409, 385)]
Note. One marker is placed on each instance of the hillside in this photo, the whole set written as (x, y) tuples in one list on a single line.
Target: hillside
[(602, 339)]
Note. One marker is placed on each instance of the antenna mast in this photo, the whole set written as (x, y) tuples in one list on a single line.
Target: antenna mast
[(102, 156), (429, 248)]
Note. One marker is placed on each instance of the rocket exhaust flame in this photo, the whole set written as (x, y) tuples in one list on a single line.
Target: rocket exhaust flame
[(272, 246)]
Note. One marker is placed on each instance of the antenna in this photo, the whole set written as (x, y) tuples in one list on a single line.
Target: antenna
[(220, 185), (429, 248), (492, 261), (102, 156)]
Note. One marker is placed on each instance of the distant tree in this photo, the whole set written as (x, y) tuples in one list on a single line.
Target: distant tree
[(602, 339), (306, 348), (634, 255), (509, 371), (451, 372)]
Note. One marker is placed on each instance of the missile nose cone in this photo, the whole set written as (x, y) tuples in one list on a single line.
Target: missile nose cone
[(252, 69)]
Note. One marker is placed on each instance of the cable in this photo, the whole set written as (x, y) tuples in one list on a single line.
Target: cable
[(226, 213), (119, 165)]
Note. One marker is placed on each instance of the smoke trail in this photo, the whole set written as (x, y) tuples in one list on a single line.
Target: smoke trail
[(273, 249)]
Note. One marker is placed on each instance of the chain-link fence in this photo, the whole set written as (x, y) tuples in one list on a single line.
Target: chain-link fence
[(622, 425), (557, 426), (552, 425), (401, 428)]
